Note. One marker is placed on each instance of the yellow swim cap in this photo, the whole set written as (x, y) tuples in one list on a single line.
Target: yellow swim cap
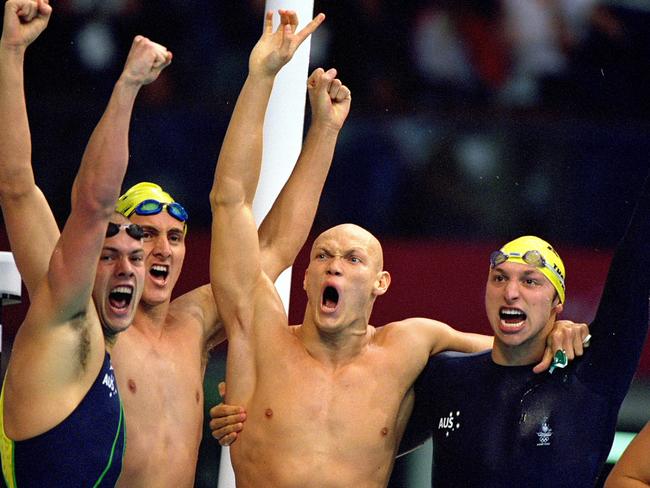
[(140, 192), (536, 252)]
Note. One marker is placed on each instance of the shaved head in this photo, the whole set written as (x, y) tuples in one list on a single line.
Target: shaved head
[(355, 236)]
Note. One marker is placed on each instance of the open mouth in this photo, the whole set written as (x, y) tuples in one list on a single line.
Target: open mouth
[(511, 317), (159, 271), (330, 299), (120, 297)]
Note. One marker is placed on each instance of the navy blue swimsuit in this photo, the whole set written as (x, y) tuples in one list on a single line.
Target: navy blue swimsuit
[(85, 450), (498, 426)]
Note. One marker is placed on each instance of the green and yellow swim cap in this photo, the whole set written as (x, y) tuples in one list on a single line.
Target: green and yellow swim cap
[(536, 252)]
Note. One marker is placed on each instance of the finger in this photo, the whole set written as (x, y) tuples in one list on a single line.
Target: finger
[(314, 77), (268, 22), (284, 20), (222, 389), (227, 440), (545, 362), (44, 8), (161, 60), (231, 423), (326, 79), (556, 341), (292, 18), (27, 11), (577, 344), (334, 88), (310, 28), (567, 345), (223, 410), (586, 341), (218, 432), (343, 94)]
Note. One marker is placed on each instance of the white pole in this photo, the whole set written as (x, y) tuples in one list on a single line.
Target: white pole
[(283, 131)]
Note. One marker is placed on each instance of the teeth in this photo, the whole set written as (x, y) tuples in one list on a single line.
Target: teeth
[(510, 324), (510, 312), (159, 267), (123, 289)]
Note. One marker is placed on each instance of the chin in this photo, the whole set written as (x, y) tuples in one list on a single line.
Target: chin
[(155, 297)]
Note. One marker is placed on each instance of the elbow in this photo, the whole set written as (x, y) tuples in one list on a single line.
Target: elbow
[(227, 194), (15, 186)]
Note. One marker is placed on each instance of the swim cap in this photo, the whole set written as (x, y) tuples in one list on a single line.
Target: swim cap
[(140, 192), (553, 267)]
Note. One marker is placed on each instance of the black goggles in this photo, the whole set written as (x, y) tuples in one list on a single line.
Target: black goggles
[(133, 230), (153, 207)]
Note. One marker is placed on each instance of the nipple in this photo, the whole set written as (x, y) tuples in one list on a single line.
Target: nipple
[(132, 387), (269, 413), (384, 431)]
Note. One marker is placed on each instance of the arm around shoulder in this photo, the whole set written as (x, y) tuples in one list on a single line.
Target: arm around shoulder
[(441, 337)]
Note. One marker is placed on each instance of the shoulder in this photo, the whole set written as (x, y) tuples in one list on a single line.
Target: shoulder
[(197, 306), (416, 325)]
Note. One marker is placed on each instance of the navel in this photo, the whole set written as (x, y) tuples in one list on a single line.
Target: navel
[(132, 387), (269, 413), (197, 396)]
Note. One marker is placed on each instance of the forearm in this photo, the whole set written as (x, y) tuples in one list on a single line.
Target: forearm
[(286, 227), (241, 152), (32, 239), (106, 156), (469, 342), (621, 323), (16, 177)]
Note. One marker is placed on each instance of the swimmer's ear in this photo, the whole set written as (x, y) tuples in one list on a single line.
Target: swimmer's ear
[(382, 283)]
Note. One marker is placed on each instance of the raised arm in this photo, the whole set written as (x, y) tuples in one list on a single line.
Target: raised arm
[(236, 273), (235, 254), (98, 182), (61, 340), (621, 323), (28, 219), (286, 227)]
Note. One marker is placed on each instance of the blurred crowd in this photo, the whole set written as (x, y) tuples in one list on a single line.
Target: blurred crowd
[(470, 118)]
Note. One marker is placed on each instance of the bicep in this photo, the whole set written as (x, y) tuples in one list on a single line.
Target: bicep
[(235, 268), (73, 265), (439, 337)]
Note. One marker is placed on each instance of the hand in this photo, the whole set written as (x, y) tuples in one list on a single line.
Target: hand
[(275, 49), (567, 336), (226, 421), (24, 20), (329, 98), (145, 61)]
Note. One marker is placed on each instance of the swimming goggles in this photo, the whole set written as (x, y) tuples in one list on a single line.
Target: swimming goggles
[(154, 207), (133, 230), (532, 257)]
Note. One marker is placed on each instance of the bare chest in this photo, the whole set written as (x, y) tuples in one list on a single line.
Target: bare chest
[(161, 385), (357, 406)]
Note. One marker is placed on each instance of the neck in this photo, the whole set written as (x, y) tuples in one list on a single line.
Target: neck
[(150, 319), (337, 347)]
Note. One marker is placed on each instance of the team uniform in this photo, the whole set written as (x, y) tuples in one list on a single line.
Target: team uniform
[(85, 450), (505, 426)]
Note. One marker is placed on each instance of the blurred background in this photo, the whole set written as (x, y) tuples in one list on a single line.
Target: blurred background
[(472, 122)]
